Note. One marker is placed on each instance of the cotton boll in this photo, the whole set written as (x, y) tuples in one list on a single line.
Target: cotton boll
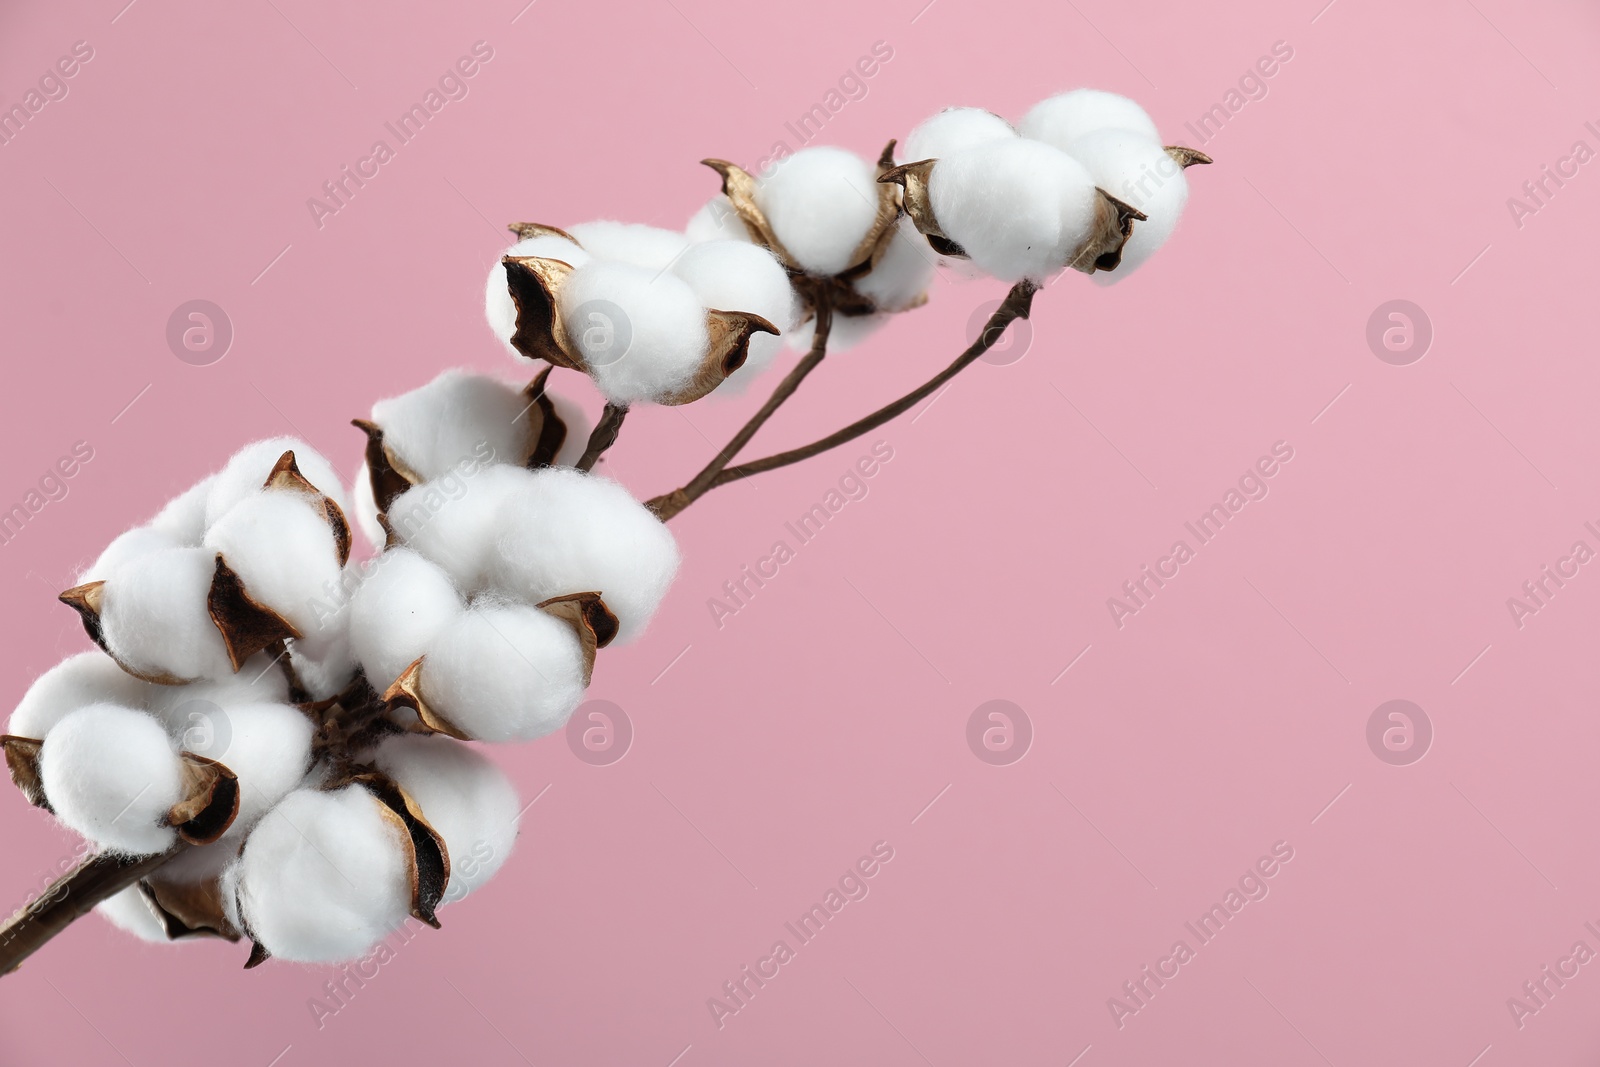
[(366, 509), (821, 203), (1140, 173), (499, 308), (463, 796), (504, 672), (131, 912), (323, 661), (125, 547), (953, 129), (268, 746), (717, 221), (845, 332), (75, 682), (642, 332), (738, 276), (578, 430), (456, 418), (901, 277), (1017, 208), (1064, 118), (578, 533), (154, 618), (649, 247), (111, 773), (190, 712), (397, 612), (324, 876), (454, 521), (201, 863), (247, 472), (280, 545), (184, 517)]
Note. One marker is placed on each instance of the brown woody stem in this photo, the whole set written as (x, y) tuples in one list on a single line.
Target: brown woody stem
[(71, 897), (669, 504), (604, 435), (1016, 305)]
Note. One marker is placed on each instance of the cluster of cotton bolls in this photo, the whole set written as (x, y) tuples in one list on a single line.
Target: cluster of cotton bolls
[(234, 722), (1082, 181)]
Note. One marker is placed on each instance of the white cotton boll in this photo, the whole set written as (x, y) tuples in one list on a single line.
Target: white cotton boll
[(578, 533), (324, 661), (324, 877), (466, 798), (820, 203), (268, 746), (201, 863), (642, 332), (154, 617), (845, 333), (184, 517), (366, 509), (504, 672), (131, 912), (1017, 208), (1064, 118), (75, 682), (738, 276), (458, 418), (953, 129), (397, 612), (1140, 173), (649, 247), (247, 472), (578, 430), (901, 277), (498, 306), (125, 547), (454, 521), (280, 545), (190, 711), (111, 773), (717, 221)]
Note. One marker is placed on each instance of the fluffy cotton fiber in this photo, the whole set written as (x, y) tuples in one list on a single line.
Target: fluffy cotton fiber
[(323, 878), (1064, 118), (642, 332), (269, 747), (397, 612), (953, 129), (820, 203), (247, 472), (124, 548), (465, 797), (576, 533), (154, 617), (649, 247), (456, 418), (739, 276), (453, 522), (499, 308), (716, 221), (131, 912), (1018, 208), (111, 773), (504, 672), (280, 545), (902, 275), (1136, 170), (184, 517), (75, 682)]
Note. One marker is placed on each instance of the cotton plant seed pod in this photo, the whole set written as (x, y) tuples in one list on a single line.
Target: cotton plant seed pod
[(326, 875), (284, 553), (1146, 175), (504, 671), (454, 522), (76, 682), (742, 275), (126, 547), (1061, 119), (572, 532), (398, 610), (184, 517), (466, 798), (113, 775), (132, 912), (533, 240), (251, 467), (650, 247), (638, 331), (953, 129)]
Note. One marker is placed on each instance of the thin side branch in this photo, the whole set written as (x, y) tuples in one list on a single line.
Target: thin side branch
[(70, 897), (1016, 305), (669, 504), (604, 435)]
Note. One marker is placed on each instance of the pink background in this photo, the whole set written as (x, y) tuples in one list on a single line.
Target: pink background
[(826, 715)]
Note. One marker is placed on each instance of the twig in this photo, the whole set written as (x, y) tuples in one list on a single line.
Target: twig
[(70, 897), (604, 435), (1016, 305), (669, 504)]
